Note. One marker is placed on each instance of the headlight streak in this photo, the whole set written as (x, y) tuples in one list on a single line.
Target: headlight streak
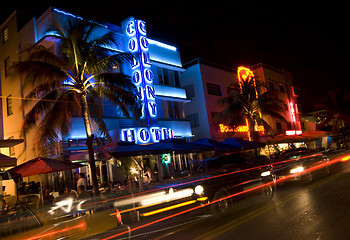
[(184, 193), (265, 174), (297, 170)]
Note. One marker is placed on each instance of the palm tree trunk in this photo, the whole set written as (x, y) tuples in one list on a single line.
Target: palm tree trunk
[(89, 143), (251, 127)]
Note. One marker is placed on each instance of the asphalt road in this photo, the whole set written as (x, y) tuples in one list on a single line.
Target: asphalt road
[(316, 210)]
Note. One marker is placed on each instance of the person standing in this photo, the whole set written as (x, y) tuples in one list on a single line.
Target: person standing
[(82, 181)]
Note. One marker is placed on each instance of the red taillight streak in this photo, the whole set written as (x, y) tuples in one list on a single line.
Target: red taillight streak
[(81, 225)]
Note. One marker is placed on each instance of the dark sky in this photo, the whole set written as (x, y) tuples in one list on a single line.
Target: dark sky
[(310, 41)]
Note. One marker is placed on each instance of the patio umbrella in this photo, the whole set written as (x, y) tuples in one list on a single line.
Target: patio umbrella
[(242, 144), (41, 165), (219, 147)]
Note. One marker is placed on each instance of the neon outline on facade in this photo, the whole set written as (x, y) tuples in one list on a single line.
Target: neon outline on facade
[(137, 43), (243, 73)]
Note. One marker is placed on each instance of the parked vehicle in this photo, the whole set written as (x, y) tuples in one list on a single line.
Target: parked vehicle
[(300, 164)]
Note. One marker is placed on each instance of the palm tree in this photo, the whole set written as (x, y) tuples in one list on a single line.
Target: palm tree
[(334, 111), (245, 104), (74, 83)]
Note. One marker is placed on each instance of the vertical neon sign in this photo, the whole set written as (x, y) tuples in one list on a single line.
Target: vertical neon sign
[(135, 41), (292, 112)]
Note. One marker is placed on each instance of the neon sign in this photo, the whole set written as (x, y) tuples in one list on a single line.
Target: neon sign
[(243, 74), (145, 135), (292, 112), (166, 158), (294, 132), (137, 43), (243, 128)]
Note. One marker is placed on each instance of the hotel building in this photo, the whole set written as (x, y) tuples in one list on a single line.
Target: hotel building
[(155, 71)]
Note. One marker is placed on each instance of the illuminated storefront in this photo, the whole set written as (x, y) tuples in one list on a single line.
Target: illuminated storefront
[(209, 81)]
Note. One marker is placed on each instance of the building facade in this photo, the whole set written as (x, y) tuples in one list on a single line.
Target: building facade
[(206, 83), (155, 70)]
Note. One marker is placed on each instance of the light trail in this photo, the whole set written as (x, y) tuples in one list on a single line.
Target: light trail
[(82, 226)]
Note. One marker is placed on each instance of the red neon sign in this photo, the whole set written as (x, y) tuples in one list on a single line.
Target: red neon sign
[(244, 74), (292, 112), (294, 132), (243, 128)]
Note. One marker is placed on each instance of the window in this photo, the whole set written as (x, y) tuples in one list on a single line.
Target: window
[(289, 126), (176, 79), (9, 105), (190, 91), (214, 89), (173, 110), (282, 88), (165, 77), (285, 107), (160, 75), (279, 125), (194, 120), (170, 109), (168, 77), (5, 35), (271, 85), (12, 149), (7, 66)]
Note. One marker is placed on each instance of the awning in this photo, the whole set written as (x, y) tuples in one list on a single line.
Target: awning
[(10, 142), (6, 161), (304, 137)]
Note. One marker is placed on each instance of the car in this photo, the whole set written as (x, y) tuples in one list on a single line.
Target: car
[(299, 164), (214, 186), (230, 178)]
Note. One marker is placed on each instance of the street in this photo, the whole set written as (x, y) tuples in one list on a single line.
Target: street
[(298, 210), (317, 210)]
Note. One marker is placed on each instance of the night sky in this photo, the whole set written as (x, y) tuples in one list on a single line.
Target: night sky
[(309, 41)]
